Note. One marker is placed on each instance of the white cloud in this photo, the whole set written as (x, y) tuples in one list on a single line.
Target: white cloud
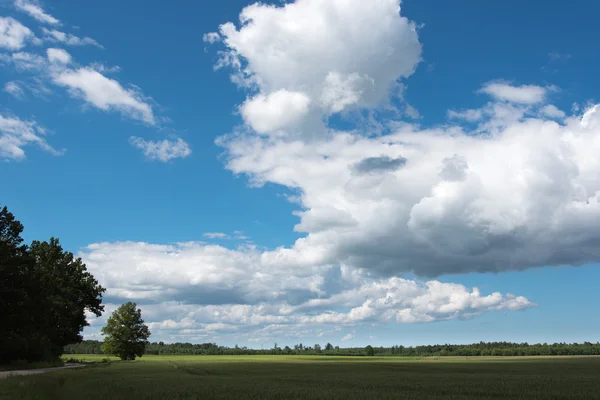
[(14, 89), (87, 83), (347, 337), (13, 34), (104, 93), (279, 109), (525, 94), (192, 289), (24, 61), (340, 91), (34, 10), (53, 35), (472, 115), (558, 56), (552, 111), (211, 37), (216, 235), (162, 150), (59, 56), (16, 134), (324, 53), (517, 192)]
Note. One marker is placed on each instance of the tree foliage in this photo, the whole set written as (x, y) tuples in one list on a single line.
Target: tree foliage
[(44, 293), (126, 334)]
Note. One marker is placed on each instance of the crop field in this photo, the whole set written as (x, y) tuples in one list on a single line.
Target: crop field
[(319, 377)]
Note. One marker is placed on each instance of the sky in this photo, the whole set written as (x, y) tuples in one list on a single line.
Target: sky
[(314, 171)]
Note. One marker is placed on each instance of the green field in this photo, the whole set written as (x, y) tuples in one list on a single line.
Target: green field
[(319, 377)]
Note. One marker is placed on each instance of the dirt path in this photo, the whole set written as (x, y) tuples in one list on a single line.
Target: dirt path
[(6, 374)]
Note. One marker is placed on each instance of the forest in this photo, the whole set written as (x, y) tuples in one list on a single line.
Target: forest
[(476, 349)]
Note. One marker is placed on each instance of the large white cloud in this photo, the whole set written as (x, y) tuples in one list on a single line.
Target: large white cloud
[(196, 291), (330, 54), (514, 190), (517, 192)]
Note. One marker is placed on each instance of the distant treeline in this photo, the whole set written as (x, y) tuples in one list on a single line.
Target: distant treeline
[(476, 349)]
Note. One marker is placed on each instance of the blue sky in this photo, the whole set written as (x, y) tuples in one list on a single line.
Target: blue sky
[(353, 175)]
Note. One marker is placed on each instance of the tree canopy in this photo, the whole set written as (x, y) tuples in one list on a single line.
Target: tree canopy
[(44, 293), (126, 336)]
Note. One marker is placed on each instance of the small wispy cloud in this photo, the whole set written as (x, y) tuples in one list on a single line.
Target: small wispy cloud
[(216, 235), (162, 150), (35, 11)]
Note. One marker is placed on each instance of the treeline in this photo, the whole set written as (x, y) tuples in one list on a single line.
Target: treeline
[(44, 292), (470, 350)]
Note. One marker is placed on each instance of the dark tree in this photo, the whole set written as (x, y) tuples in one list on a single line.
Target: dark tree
[(15, 323), (126, 336), (44, 293), (329, 347), (369, 351), (64, 290)]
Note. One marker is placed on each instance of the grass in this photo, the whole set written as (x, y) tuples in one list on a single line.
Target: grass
[(305, 377)]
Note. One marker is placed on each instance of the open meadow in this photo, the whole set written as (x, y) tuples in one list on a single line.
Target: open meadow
[(318, 377)]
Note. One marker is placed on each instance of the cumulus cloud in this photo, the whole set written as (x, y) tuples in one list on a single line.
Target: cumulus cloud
[(525, 94), (15, 89), (511, 195), (162, 150), (34, 10), (514, 190), (325, 54), (53, 35), (279, 109), (198, 290), (16, 134), (13, 34)]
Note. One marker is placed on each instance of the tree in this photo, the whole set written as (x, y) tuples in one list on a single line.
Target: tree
[(126, 336), (369, 350), (329, 347), (317, 348), (15, 322), (64, 290), (44, 293)]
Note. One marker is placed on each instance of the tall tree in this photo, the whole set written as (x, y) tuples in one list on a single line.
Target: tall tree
[(15, 322), (44, 293), (126, 336), (65, 290)]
